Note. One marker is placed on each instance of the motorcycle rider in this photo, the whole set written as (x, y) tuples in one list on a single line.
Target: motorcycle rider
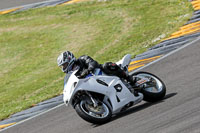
[(67, 62)]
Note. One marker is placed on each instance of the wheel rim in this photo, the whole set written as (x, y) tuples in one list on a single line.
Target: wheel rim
[(154, 86), (101, 111)]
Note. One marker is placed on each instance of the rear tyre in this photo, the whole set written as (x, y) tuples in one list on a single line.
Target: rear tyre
[(97, 115), (153, 91)]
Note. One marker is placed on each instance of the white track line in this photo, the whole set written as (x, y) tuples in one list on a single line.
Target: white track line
[(170, 53), (26, 5), (33, 117)]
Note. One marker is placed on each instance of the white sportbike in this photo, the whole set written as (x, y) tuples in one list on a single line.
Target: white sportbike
[(98, 96)]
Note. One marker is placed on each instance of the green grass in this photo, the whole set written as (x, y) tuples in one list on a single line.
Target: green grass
[(30, 42)]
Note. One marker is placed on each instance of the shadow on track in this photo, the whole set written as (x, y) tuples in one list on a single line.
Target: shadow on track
[(137, 108)]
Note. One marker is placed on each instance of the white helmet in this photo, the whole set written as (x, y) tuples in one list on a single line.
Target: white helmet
[(65, 61)]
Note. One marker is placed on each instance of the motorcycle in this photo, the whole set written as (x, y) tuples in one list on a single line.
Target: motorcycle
[(97, 97)]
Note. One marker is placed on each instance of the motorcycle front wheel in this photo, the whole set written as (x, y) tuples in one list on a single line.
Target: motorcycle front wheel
[(97, 115), (154, 90)]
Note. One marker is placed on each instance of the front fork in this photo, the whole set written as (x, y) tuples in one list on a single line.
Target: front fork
[(94, 101)]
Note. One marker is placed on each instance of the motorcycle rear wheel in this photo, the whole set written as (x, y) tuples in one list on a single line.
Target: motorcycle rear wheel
[(97, 115), (154, 90)]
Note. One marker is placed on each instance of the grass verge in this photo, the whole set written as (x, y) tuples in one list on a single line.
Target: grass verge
[(30, 42)]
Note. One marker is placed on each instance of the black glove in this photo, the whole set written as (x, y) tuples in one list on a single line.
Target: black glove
[(84, 73)]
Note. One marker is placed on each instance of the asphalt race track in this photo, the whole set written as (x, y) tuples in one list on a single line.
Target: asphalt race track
[(179, 112), (4, 4)]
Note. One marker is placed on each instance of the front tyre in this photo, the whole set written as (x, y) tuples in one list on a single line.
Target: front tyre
[(154, 90), (97, 115)]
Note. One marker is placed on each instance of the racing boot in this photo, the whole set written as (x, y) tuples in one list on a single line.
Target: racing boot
[(132, 80)]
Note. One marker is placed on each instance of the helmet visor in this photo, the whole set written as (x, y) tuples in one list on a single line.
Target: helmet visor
[(64, 66)]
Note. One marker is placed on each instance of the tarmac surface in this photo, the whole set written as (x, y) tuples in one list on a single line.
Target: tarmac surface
[(4, 4), (179, 112)]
